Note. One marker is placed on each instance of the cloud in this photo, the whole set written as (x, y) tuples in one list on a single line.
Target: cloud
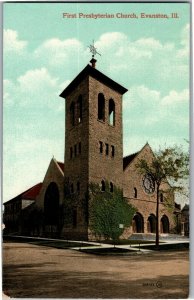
[(185, 35), (146, 60), (183, 52), (8, 90), (151, 101), (139, 94), (111, 40), (30, 164), (150, 116), (27, 158), (58, 52), (142, 60), (36, 86), (142, 103), (134, 142), (12, 43), (176, 98)]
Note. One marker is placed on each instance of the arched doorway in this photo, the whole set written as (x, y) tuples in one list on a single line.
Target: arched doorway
[(51, 205), (164, 224), (151, 224), (138, 223)]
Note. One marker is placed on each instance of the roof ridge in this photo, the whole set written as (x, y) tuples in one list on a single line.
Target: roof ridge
[(23, 193), (60, 162), (131, 154), (95, 73), (58, 165), (128, 159)]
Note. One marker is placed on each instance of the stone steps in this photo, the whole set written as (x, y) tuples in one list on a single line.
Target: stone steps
[(151, 236)]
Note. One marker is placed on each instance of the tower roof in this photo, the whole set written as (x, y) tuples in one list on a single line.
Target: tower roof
[(89, 70)]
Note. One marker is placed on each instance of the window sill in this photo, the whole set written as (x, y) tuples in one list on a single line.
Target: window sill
[(101, 121), (111, 125)]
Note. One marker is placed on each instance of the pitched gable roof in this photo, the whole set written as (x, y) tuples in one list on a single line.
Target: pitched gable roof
[(29, 194), (88, 70), (61, 165), (128, 159), (32, 192)]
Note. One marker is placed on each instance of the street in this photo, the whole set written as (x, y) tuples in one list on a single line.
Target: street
[(32, 271)]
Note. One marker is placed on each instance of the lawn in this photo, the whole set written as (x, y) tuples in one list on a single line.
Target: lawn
[(60, 244), (125, 242), (163, 247), (63, 244), (108, 251)]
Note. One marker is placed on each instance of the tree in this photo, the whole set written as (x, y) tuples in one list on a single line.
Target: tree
[(167, 166), (109, 212)]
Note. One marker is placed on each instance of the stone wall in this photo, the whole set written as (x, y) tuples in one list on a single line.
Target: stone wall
[(102, 166), (53, 174), (145, 203), (90, 165), (76, 167)]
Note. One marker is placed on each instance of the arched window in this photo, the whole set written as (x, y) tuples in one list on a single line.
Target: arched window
[(72, 113), (151, 224), (51, 204), (71, 152), (72, 189), (103, 186), (135, 192), (107, 149), (80, 147), (138, 223), (164, 224), (111, 187), (112, 150), (75, 150), (101, 107), (111, 112), (101, 147), (79, 107), (78, 187), (161, 197)]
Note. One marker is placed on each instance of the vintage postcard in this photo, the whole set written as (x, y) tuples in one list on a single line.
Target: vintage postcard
[(96, 149)]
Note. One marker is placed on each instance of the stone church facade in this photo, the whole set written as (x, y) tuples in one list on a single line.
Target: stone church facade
[(93, 153)]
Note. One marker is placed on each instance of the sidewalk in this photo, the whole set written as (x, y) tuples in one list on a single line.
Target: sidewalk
[(96, 245)]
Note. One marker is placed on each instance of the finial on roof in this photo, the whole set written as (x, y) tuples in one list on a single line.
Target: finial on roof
[(94, 52)]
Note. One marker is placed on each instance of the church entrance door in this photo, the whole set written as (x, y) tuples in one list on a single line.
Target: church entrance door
[(51, 210), (151, 224), (138, 223), (164, 224)]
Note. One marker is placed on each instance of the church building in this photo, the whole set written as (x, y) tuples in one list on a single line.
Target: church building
[(93, 153)]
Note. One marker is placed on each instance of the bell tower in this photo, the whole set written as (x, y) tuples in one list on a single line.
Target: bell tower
[(93, 139)]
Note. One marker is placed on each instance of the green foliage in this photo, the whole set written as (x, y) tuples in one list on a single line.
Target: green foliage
[(107, 211), (168, 200), (70, 202), (168, 166), (66, 209)]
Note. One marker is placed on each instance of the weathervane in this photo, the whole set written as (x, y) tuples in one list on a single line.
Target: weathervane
[(93, 50)]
